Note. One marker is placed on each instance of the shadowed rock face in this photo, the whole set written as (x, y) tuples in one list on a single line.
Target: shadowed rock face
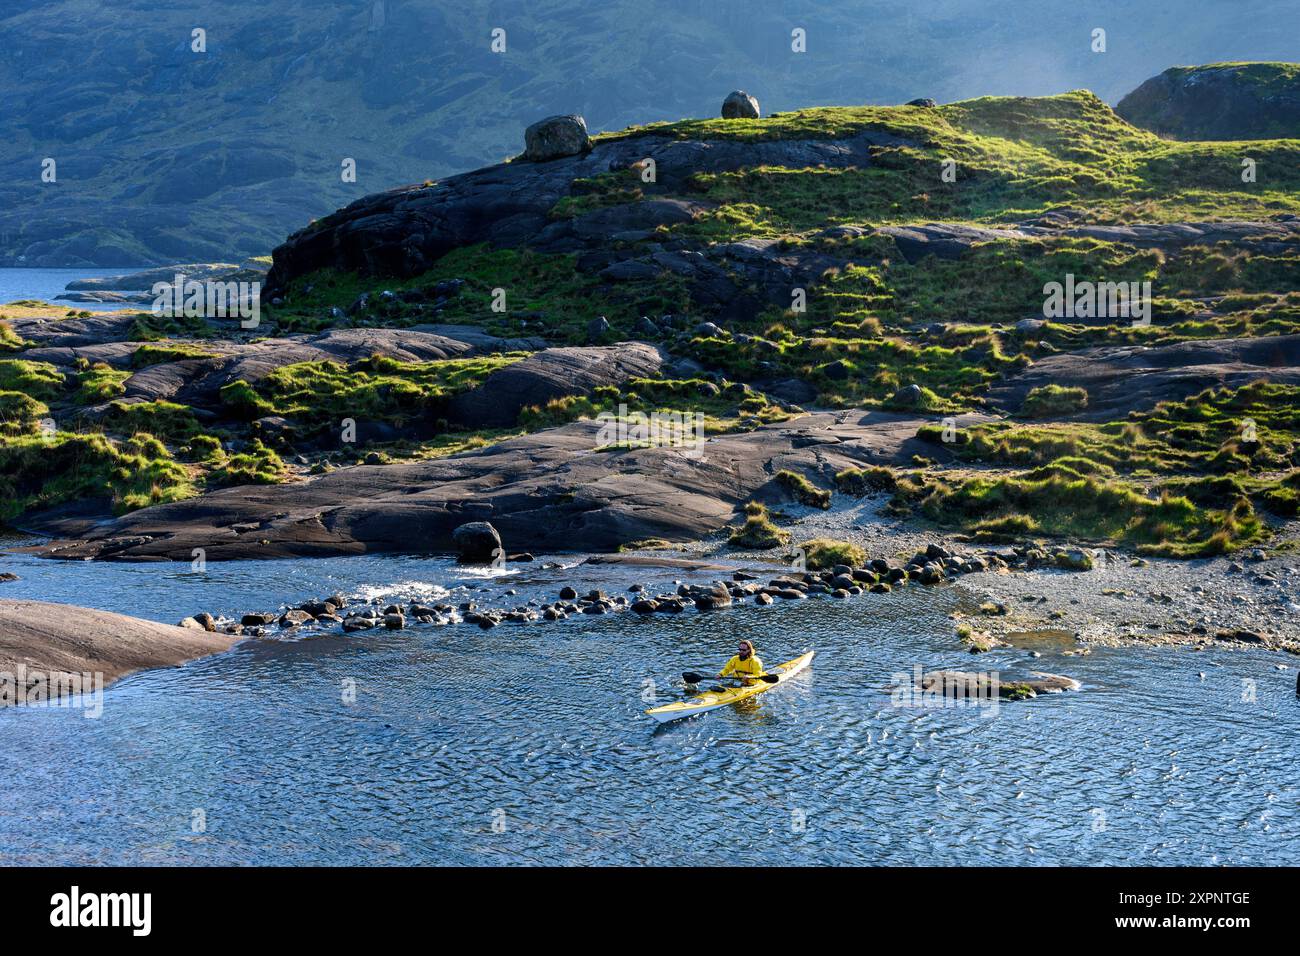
[(548, 491), (740, 105), (404, 231), (1125, 378), (1220, 102), (62, 639)]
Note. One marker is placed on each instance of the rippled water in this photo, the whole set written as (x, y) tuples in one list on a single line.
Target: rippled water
[(527, 744)]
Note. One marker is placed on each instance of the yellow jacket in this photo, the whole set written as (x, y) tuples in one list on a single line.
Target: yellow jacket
[(753, 667)]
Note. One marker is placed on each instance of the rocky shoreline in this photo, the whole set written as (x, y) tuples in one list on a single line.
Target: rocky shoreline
[(1080, 597), (551, 490), (1013, 581), (1249, 599)]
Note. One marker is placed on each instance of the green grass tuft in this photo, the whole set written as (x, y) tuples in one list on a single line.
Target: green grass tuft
[(803, 490)]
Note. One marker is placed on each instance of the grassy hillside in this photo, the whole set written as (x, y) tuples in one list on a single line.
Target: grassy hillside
[(1181, 479)]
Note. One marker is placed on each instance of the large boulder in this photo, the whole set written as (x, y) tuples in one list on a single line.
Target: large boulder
[(909, 396), (966, 684), (1221, 101), (476, 542), (740, 105), (556, 136), (712, 597)]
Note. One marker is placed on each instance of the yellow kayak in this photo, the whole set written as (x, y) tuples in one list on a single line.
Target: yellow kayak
[(713, 699)]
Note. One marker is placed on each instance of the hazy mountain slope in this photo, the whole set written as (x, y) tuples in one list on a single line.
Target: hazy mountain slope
[(164, 154)]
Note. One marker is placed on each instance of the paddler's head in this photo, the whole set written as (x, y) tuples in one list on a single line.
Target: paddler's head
[(745, 651)]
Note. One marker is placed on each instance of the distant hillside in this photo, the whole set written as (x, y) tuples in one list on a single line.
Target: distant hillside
[(1219, 101), (167, 155)]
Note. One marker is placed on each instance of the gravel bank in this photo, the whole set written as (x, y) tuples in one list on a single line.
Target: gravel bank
[(1123, 600)]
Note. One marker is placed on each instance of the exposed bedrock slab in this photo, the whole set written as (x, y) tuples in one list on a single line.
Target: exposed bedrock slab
[(547, 491), (1124, 378), (551, 374), (62, 639)]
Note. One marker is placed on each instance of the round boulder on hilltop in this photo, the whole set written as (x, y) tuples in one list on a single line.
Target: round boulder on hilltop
[(740, 105), (556, 136)]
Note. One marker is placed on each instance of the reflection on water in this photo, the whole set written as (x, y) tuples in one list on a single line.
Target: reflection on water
[(527, 743)]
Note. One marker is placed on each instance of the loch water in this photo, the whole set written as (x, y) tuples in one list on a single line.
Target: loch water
[(527, 744)]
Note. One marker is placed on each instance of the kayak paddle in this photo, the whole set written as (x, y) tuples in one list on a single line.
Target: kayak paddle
[(692, 678)]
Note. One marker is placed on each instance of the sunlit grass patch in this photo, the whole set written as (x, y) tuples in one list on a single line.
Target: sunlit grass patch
[(802, 490), (321, 394), (1096, 510), (1050, 401), (821, 554), (40, 380), (99, 383), (38, 472), (758, 533)]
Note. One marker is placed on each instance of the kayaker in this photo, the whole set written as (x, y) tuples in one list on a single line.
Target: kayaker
[(744, 665)]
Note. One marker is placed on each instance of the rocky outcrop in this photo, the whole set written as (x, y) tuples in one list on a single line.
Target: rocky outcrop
[(198, 381), (251, 271), (106, 298), (547, 491), (944, 240), (1221, 101), (1124, 378), (89, 330), (404, 231), (551, 374), (1263, 237), (59, 639), (947, 240)]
